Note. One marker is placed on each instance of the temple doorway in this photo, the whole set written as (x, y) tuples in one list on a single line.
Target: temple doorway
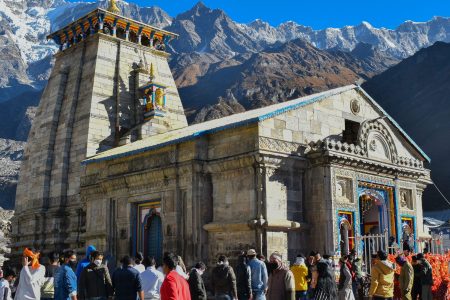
[(371, 212), (153, 237), (149, 233)]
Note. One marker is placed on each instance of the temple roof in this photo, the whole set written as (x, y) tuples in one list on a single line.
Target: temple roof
[(91, 19), (237, 120)]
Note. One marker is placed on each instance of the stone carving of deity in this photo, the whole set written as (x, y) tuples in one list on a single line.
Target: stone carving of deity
[(405, 200), (343, 190), (373, 145)]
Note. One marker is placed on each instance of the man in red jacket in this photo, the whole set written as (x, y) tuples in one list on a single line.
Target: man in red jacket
[(174, 286)]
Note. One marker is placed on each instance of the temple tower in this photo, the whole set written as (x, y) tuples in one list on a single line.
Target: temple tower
[(110, 85)]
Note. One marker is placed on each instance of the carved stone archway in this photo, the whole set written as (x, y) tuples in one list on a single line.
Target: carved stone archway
[(376, 131)]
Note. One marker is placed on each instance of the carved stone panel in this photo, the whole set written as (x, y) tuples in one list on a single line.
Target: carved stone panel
[(406, 201), (344, 190)]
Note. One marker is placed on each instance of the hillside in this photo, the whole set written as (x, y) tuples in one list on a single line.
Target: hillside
[(416, 92)]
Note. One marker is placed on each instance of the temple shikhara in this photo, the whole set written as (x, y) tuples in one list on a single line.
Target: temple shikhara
[(111, 161)]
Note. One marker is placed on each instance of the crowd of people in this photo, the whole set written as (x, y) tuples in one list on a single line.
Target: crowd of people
[(252, 278)]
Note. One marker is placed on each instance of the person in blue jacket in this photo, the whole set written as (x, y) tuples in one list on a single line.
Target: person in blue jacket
[(85, 261), (65, 279)]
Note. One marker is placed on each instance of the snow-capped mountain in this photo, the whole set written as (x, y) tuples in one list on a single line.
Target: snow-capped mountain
[(26, 52), (211, 46), (24, 25)]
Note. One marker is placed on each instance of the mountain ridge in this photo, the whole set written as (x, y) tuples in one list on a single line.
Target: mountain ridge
[(262, 64)]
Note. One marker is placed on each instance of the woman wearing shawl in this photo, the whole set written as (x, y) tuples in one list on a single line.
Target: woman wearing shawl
[(326, 285), (345, 281), (32, 277), (281, 280)]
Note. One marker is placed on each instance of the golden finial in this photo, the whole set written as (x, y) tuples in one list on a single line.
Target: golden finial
[(113, 7), (152, 72)]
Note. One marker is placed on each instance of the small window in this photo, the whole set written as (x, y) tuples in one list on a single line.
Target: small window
[(350, 134)]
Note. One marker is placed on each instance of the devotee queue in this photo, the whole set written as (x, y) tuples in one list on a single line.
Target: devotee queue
[(253, 278)]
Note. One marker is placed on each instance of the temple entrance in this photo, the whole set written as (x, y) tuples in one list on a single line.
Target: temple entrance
[(149, 234), (377, 216), (377, 209), (153, 237), (371, 212)]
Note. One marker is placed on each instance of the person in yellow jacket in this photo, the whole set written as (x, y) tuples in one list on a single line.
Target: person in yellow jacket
[(300, 272), (382, 278)]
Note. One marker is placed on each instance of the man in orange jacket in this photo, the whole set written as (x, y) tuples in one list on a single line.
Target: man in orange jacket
[(174, 286)]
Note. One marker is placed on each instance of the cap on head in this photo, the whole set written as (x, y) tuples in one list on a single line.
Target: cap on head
[(251, 252)]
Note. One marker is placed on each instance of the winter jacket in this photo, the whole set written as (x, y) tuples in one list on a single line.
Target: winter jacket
[(48, 288), (406, 280), (197, 286), (345, 278), (223, 281), (426, 273), (65, 283), (95, 282), (300, 272), (175, 287), (243, 280), (417, 286), (382, 282), (5, 290), (127, 282), (259, 275), (345, 284), (281, 285), (85, 261)]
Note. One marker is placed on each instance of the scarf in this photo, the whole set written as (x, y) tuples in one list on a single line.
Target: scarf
[(280, 265), (34, 258)]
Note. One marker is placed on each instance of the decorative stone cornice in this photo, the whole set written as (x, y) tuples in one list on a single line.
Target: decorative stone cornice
[(280, 146), (232, 163), (355, 155)]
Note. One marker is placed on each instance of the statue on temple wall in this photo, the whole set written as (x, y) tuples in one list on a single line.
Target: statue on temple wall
[(159, 98), (113, 7)]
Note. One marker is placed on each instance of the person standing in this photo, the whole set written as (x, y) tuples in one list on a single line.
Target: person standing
[(196, 284), (416, 291), (281, 285), (382, 278), (259, 276), (32, 276), (174, 287), (406, 278), (243, 278), (95, 281), (300, 272), (223, 280), (127, 281), (152, 280), (85, 261), (48, 289), (65, 278), (325, 288), (345, 280), (426, 277), (5, 284), (138, 262)]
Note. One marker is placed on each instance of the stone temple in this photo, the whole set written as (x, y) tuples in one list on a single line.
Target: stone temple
[(111, 161)]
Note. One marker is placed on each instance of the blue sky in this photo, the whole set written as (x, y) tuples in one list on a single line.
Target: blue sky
[(318, 14)]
